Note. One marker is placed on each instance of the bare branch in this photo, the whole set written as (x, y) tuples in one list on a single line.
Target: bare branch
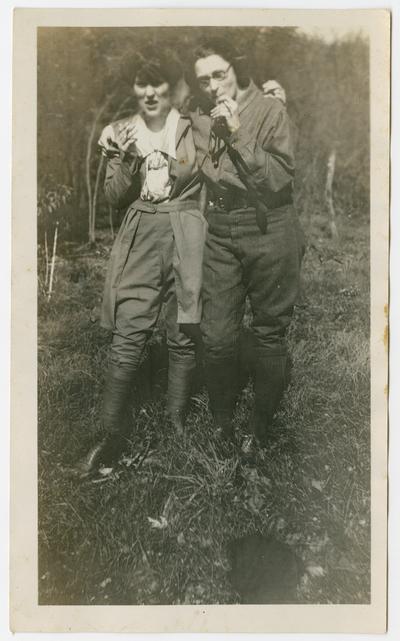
[(53, 263), (46, 251), (97, 117)]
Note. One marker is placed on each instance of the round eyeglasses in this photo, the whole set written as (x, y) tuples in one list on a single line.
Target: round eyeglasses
[(218, 75)]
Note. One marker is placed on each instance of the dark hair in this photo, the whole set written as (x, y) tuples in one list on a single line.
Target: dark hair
[(152, 66), (224, 48)]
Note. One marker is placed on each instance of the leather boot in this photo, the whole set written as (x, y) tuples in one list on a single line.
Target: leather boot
[(117, 389), (89, 462), (221, 379), (271, 376), (180, 379)]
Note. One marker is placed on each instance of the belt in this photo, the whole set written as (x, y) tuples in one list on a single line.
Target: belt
[(230, 201), (236, 200), (148, 207)]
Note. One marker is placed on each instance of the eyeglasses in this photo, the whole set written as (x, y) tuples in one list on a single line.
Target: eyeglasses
[(219, 76)]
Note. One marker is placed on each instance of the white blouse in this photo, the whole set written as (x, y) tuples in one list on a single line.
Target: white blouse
[(155, 147)]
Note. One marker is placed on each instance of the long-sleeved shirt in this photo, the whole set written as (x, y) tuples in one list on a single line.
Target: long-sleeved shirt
[(125, 177), (126, 172), (264, 141)]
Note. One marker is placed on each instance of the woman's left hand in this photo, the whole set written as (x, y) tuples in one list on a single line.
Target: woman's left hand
[(228, 109), (275, 90)]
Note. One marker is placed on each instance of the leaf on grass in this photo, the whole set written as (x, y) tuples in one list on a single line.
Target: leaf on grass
[(105, 471), (158, 524), (128, 460), (104, 583), (317, 485), (151, 460), (180, 538), (315, 571)]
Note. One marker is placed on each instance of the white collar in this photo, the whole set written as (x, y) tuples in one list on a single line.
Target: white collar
[(168, 135)]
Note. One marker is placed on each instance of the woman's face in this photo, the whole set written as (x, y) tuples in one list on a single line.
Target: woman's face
[(216, 77), (154, 101)]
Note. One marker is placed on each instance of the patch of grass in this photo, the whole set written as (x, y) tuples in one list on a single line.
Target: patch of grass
[(309, 489)]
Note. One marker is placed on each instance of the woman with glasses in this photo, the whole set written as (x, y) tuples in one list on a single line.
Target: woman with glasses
[(254, 244), (157, 255)]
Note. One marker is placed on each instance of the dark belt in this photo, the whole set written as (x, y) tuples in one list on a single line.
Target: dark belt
[(229, 201), (234, 200), (240, 200)]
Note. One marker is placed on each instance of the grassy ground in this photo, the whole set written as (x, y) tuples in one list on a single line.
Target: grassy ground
[(310, 489)]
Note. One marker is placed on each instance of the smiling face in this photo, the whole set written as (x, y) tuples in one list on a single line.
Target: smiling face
[(216, 77), (154, 100)]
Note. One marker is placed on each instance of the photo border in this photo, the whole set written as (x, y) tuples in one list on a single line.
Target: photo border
[(26, 615)]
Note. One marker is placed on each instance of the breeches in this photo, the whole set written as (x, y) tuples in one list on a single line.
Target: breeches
[(147, 281), (240, 261)]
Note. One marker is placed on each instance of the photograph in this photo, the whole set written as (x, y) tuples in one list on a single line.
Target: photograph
[(202, 299)]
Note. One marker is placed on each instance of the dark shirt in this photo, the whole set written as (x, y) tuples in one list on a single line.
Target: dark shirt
[(264, 141)]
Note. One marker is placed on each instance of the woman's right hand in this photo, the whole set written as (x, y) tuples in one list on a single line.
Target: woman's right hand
[(126, 137), (107, 143)]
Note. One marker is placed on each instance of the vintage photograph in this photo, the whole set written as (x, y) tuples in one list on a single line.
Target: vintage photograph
[(203, 365), (203, 306)]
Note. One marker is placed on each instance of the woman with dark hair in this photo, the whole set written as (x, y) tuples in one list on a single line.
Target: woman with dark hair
[(157, 255), (254, 244)]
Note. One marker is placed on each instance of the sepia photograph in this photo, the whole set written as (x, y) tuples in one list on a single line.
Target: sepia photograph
[(203, 311)]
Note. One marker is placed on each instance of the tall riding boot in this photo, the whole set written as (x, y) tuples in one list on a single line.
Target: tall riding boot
[(271, 376), (180, 379), (117, 389), (222, 382)]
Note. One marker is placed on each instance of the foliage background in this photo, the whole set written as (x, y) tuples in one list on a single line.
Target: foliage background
[(83, 84)]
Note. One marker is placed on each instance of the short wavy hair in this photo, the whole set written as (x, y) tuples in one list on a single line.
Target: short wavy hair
[(152, 65), (223, 47)]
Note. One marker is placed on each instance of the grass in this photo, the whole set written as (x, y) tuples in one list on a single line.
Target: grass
[(310, 489)]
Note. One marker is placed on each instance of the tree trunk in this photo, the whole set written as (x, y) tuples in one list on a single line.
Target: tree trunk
[(110, 216), (100, 166), (328, 194), (93, 199), (98, 114)]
